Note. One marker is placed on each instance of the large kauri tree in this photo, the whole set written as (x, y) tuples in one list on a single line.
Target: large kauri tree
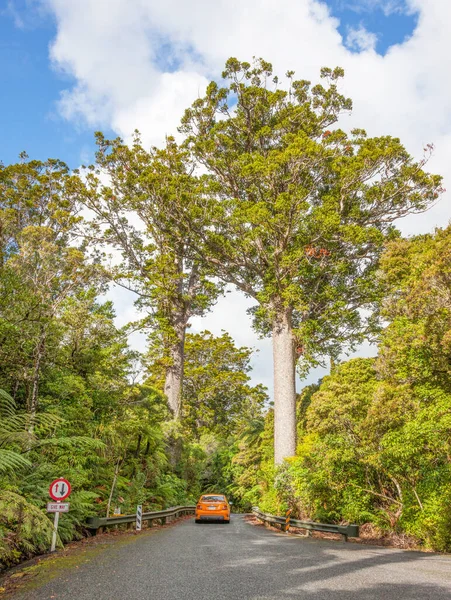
[(130, 192), (298, 212)]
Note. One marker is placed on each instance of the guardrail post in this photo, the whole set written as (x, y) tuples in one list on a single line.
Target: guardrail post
[(94, 524), (348, 531), (353, 531)]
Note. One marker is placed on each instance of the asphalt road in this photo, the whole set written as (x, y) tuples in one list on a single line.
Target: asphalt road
[(243, 562)]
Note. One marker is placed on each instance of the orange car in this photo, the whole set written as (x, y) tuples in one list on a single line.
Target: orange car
[(212, 507)]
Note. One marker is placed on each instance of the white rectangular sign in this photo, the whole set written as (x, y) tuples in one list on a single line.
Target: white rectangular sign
[(54, 507), (139, 514)]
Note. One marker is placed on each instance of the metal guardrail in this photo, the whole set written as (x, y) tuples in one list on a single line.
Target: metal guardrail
[(286, 522), (93, 524)]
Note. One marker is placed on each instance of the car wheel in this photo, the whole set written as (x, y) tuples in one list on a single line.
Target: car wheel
[(197, 520)]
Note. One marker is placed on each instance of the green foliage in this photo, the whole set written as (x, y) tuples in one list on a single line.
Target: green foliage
[(11, 461), (69, 405), (24, 529), (375, 435), (217, 395)]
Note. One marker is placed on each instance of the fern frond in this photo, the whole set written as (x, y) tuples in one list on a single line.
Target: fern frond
[(20, 437), (12, 461), (47, 421), (72, 442), (19, 422), (7, 405), (13, 423)]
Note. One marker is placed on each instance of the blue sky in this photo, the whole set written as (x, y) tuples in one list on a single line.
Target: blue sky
[(391, 29), (29, 119)]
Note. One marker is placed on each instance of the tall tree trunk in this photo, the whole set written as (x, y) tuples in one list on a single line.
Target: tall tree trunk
[(174, 373), (113, 486), (284, 387), (33, 400)]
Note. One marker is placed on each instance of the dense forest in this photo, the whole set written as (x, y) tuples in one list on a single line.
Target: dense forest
[(266, 193)]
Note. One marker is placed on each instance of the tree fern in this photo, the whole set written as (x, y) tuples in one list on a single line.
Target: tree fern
[(14, 435), (12, 461), (7, 405), (71, 442), (16, 514)]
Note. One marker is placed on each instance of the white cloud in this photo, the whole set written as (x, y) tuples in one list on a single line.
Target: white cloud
[(360, 39), (230, 315), (388, 7), (139, 63), (159, 111), (12, 12)]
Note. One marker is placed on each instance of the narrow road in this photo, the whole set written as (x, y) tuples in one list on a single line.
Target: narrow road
[(243, 562)]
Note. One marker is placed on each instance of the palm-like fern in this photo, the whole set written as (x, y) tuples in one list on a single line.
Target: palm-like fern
[(12, 461), (15, 436), (32, 529), (11, 434), (251, 433)]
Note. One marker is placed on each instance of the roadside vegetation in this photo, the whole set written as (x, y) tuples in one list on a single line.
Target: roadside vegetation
[(296, 214)]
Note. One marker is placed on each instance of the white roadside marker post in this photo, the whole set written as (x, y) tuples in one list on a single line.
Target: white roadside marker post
[(139, 513)]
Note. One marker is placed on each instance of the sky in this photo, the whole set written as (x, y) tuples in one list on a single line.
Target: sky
[(71, 67)]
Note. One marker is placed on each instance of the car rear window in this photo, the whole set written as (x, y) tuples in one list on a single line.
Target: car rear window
[(213, 499)]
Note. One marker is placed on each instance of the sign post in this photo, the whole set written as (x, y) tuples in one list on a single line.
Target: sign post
[(59, 490), (55, 531)]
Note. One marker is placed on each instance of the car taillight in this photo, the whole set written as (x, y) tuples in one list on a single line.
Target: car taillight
[(199, 506)]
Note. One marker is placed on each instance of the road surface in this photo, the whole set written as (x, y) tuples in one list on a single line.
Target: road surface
[(243, 562)]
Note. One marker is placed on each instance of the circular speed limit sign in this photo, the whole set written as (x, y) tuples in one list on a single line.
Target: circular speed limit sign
[(59, 489)]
